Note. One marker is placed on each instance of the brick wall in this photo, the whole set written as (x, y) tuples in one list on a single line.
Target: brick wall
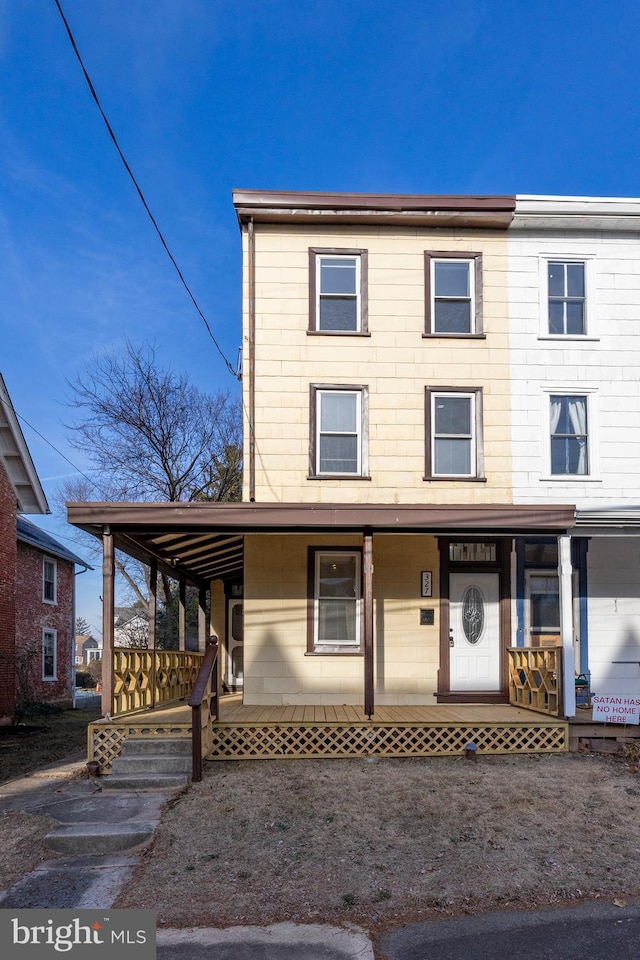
[(7, 597), (33, 616)]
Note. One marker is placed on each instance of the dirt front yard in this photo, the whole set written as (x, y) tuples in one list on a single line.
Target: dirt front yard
[(377, 842)]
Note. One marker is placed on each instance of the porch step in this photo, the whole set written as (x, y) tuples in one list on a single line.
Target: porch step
[(98, 838), (175, 746), (144, 781), (150, 764)]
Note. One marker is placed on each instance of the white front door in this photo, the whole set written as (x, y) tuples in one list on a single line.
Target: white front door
[(474, 637)]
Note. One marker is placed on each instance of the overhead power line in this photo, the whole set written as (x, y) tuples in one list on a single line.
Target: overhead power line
[(139, 191), (53, 447)]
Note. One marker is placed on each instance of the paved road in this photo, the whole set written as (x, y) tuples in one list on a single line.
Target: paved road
[(595, 931)]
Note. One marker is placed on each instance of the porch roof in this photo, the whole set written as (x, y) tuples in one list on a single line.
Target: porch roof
[(204, 541)]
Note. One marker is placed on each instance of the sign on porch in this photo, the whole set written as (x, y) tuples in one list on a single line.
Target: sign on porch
[(616, 709)]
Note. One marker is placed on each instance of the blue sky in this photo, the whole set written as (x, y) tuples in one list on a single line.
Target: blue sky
[(477, 96)]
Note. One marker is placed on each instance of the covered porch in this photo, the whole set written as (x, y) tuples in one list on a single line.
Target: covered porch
[(205, 545)]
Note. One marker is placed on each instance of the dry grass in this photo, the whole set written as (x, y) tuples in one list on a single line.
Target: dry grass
[(45, 736), (22, 844), (376, 842)]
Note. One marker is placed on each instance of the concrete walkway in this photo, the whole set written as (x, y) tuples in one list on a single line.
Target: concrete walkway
[(125, 821)]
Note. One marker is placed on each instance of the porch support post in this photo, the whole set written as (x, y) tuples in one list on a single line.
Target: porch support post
[(153, 604), (182, 614), (202, 619), (367, 570), (108, 604), (565, 578)]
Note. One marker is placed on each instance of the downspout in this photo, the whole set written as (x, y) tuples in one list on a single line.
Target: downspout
[(251, 280)]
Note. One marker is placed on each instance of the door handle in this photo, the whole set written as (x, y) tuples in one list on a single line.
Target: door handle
[(451, 641)]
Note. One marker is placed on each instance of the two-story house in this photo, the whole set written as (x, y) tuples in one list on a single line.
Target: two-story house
[(45, 617), (37, 584)]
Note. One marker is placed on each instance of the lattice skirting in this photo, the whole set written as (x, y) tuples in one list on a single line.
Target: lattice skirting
[(106, 739), (264, 741), (238, 741)]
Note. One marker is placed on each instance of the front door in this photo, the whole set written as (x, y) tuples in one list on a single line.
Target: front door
[(474, 638)]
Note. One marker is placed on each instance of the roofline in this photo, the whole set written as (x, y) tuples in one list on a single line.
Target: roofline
[(277, 206), (17, 462), (242, 518), (575, 213), (59, 552)]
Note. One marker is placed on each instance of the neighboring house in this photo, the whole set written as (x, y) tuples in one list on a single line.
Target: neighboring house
[(88, 649), (20, 492), (37, 584), (131, 627), (45, 617), (441, 446)]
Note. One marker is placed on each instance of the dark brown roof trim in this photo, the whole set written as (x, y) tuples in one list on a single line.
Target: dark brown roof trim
[(242, 518), (273, 206)]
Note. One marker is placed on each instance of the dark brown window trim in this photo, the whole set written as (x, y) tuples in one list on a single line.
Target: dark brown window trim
[(454, 336), (364, 288), (334, 653), (479, 435), (338, 476), (430, 255), (337, 333), (363, 389), (311, 581), (455, 479)]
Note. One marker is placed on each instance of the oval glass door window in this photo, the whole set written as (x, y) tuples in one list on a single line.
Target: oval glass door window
[(473, 616)]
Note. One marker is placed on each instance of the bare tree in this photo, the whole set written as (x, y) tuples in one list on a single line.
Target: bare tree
[(150, 434)]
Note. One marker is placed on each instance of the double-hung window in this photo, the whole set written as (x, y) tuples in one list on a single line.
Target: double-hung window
[(454, 432), (338, 446), (338, 291), (453, 294), (567, 298), (49, 581), (335, 589), (49, 654), (569, 427)]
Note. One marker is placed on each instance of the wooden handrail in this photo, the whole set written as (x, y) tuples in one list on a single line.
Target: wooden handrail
[(203, 691)]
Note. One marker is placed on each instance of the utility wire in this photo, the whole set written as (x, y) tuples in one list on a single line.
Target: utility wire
[(139, 191)]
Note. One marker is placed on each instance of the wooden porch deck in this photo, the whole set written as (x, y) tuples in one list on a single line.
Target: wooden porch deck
[(246, 732)]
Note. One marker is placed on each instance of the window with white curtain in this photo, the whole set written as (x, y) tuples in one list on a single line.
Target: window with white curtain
[(569, 435), (338, 447)]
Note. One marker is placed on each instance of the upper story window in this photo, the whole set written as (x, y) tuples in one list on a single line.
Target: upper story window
[(569, 435), (454, 433), (338, 431), (49, 581), (567, 298), (337, 291), (453, 294)]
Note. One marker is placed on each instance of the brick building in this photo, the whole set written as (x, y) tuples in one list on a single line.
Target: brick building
[(36, 583)]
